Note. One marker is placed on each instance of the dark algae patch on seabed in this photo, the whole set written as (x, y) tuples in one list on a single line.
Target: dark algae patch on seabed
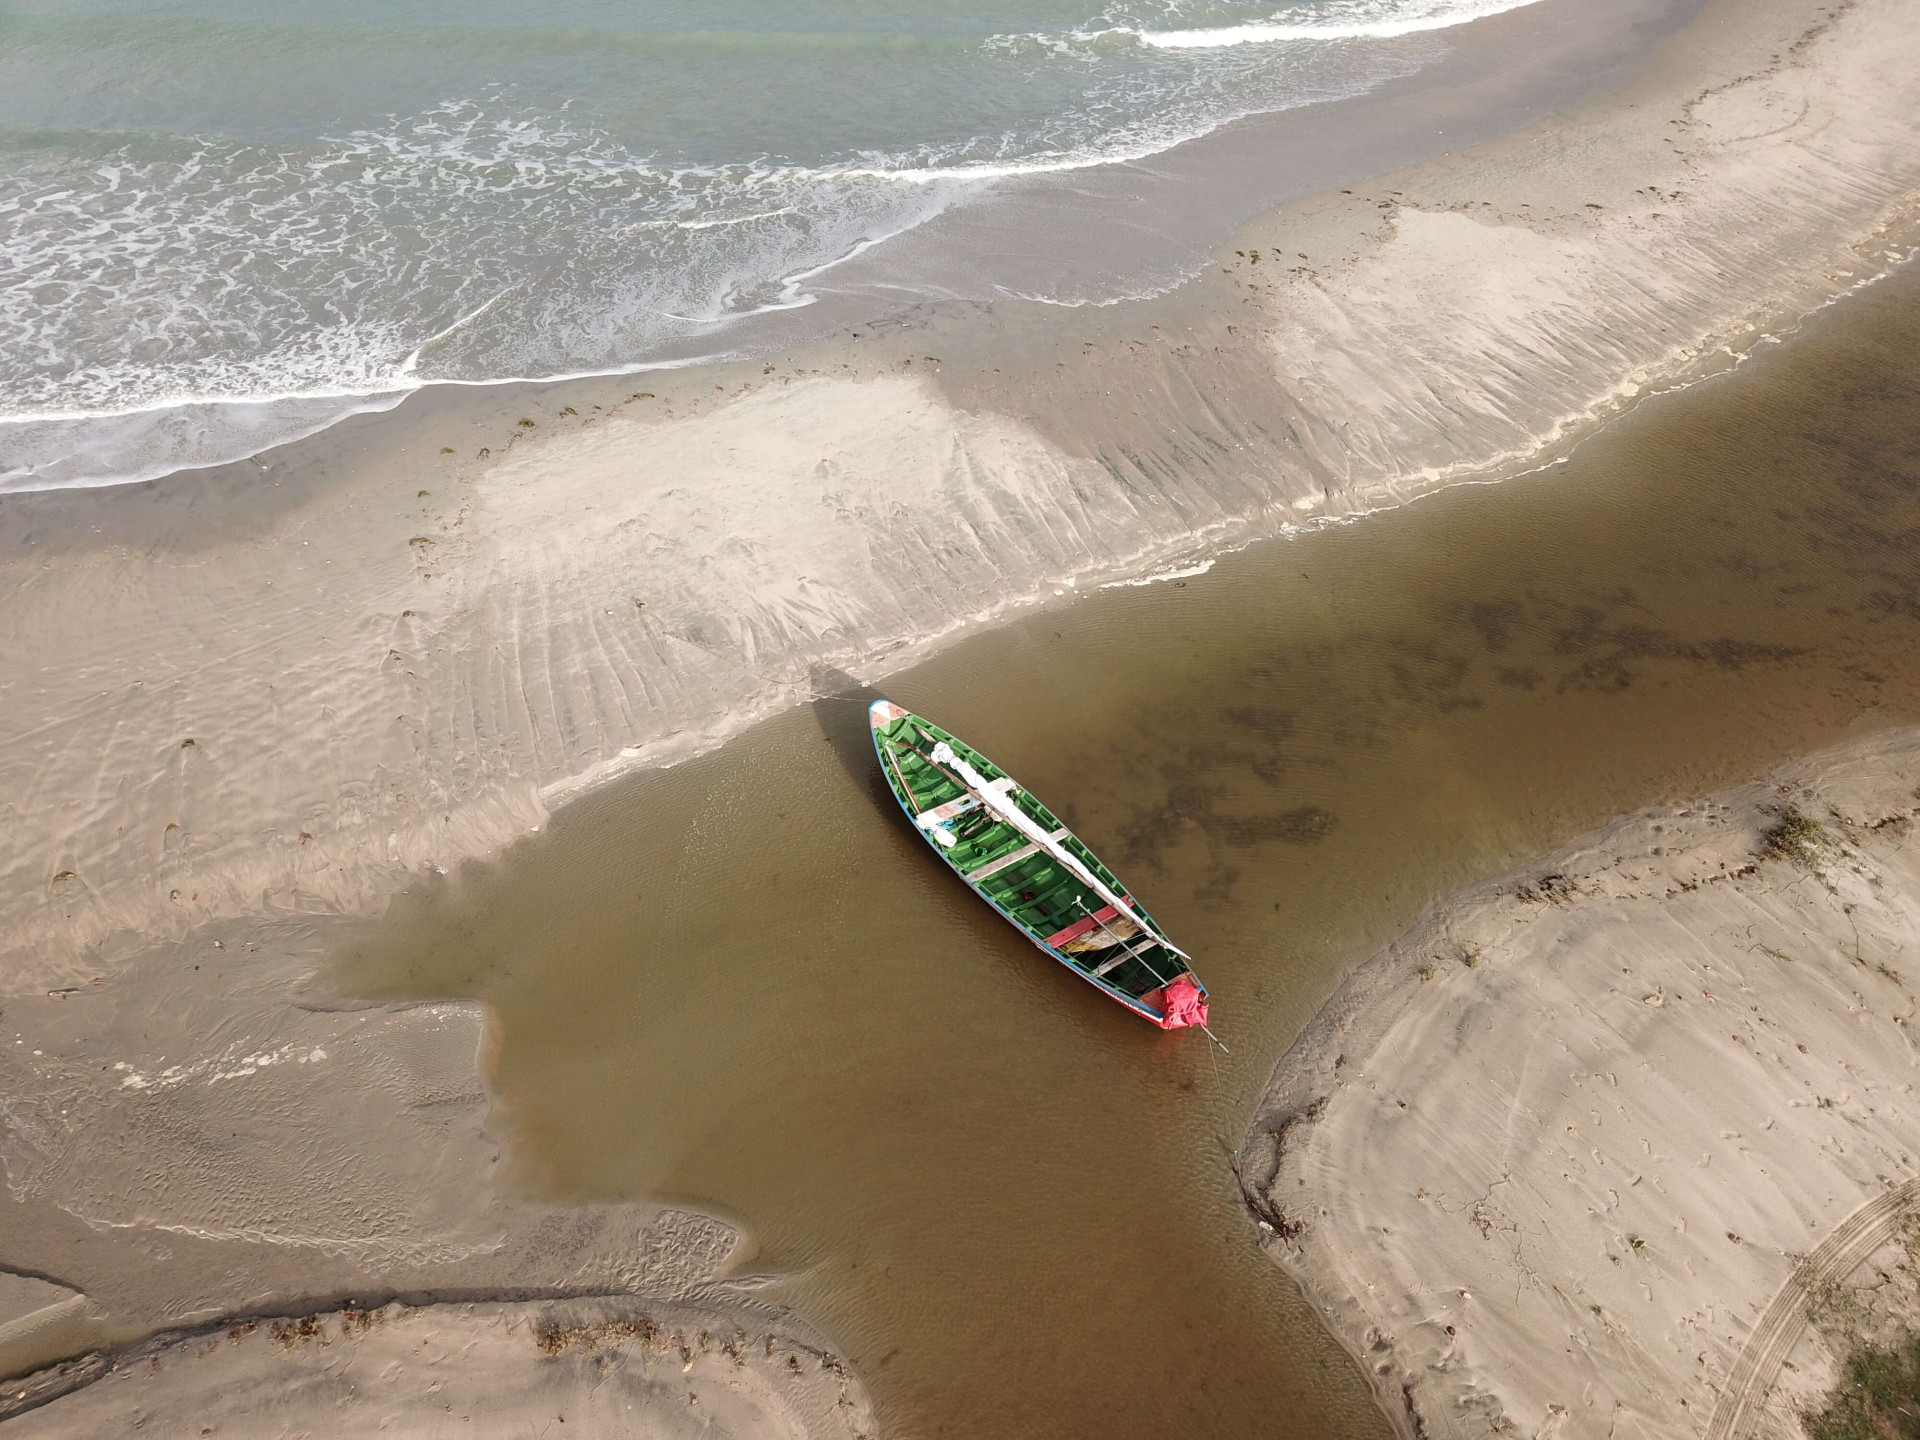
[(746, 981)]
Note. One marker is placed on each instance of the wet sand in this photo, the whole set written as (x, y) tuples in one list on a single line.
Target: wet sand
[(1011, 1205), (1637, 1122)]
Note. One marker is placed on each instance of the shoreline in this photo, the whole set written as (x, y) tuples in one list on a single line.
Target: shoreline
[(1010, 237), (584, 579), (1488, 1271)]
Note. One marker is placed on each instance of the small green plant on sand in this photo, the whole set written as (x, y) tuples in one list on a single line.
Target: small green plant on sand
[(1797, 837), (1878, 1397)]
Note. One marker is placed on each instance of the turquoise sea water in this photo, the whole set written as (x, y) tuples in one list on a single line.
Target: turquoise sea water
[(270, 206)]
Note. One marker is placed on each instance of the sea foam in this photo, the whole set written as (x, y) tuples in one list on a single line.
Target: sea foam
[(1360, 20), (175, 299)]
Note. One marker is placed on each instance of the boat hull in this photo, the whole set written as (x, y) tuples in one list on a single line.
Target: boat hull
[(903, 744)]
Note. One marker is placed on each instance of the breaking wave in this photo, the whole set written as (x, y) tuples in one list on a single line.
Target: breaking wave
[(1347, 20), (171, 299)]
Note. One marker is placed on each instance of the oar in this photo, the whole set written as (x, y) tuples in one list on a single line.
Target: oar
[(900, 775)]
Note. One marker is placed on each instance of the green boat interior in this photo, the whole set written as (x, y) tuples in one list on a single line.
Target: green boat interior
[(1041, 895)]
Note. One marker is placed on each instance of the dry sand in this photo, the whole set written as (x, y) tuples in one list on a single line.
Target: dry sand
[(240, 707), (581, 1367), (1627, 1143)]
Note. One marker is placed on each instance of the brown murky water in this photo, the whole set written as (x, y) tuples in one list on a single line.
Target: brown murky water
[(744, 981)]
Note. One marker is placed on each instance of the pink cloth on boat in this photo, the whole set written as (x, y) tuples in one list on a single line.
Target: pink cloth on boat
[(1182, 1004)]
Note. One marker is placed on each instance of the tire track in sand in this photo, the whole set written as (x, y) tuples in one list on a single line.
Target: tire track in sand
[(1784, 1320)]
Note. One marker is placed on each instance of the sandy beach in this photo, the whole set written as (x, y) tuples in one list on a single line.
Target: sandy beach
[(1632, 1129), (247, 708), (512, 1370), (401, 645)]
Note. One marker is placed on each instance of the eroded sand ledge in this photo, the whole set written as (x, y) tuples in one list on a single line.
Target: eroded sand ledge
[(605, 1367), (1579, 1153)]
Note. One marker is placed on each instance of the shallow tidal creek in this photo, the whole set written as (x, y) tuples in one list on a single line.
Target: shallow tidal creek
[(745, 983)]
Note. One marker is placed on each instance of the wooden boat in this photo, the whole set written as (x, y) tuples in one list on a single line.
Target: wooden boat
[(1022, 861)]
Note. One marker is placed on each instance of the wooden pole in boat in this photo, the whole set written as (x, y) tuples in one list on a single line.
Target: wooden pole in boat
[(900, 775), (1141, 957), (964, 787), (935, 763)]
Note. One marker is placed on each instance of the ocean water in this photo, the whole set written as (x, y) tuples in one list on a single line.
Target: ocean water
[(223, 224)]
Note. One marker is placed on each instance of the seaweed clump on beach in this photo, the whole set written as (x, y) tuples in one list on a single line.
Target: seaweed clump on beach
[(1878, 1397), (1797, 837), (553, 1336)]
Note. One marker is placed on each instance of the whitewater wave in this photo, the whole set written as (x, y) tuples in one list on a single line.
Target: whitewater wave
[(1319, 24), (174, 300), (1360, 20)]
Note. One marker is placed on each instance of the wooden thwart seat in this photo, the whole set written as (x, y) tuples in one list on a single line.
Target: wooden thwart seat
[(994, 867), (1012, 857), (1124, 955), (947, 811)]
